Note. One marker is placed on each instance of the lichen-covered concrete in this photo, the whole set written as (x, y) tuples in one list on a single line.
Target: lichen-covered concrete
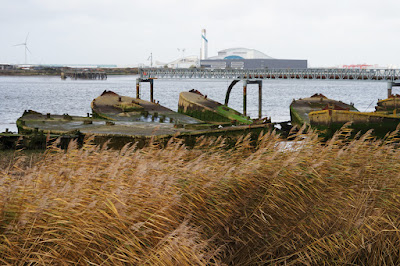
[(299, 109), (199, 106), (112, 106)]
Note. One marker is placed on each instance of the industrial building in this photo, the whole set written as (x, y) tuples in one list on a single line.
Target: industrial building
[(243, 58), (7, 67)]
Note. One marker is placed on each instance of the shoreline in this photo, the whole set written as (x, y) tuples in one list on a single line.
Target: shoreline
[(58, 71)]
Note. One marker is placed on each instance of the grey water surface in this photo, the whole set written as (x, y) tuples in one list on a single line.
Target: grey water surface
[(48, 94)]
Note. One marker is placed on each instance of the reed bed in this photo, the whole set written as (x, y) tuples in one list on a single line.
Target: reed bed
[(306, 203)]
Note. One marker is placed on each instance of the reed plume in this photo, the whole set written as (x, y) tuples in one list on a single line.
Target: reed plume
[(268, 202)]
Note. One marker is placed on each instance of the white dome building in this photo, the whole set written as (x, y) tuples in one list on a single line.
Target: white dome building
[(240, 53), (244, 58)]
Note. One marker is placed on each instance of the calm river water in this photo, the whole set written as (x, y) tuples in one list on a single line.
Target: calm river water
[(53, 95)]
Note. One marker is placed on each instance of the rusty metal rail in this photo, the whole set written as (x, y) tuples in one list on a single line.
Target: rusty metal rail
[(243, 74)]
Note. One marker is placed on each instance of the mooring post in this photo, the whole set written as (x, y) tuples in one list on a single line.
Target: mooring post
[(138, 88), (151, 90), (245, 97), (389, 88), (260, 99)]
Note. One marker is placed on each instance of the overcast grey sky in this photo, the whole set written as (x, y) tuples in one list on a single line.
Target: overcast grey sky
[(124, 32)]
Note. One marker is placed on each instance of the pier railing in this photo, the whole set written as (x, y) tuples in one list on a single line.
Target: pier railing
[(245, 74)]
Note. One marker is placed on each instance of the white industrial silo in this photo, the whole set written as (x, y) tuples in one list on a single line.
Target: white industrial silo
[(204, 45)]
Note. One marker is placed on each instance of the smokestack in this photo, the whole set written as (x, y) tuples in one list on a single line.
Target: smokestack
[(204, 45)]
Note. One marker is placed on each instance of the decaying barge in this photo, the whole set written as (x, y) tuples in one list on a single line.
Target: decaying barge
[(197, 105), (328, 115), (391, 105), (300, 109), (120, 120), (111, 106)]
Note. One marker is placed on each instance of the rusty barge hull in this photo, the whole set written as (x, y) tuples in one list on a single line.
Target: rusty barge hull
[(389, 106), (329, 121), (301, 108), (39, 130), (111, 106), (196, 105), (119, 120)]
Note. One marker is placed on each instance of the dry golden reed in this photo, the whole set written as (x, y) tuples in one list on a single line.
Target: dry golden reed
[(292, 203)]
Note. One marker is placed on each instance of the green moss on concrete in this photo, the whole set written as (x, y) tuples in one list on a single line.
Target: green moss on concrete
[(22, 129), (205, 115), (129, 107), (230, 134), (295, 117), (100, 116), (203, 126), (222, 114), (379, 129), (232, 114)]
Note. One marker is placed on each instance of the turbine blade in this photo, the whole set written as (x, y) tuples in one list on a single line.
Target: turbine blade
[(26, 39), (28, 49), (19, 44)]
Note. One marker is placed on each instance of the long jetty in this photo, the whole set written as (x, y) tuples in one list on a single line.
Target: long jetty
[(248, 74), (84, 75)]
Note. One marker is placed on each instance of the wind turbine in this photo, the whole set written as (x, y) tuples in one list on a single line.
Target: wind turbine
[(183, 56), (151, 59), (26, 46), (183, 53)]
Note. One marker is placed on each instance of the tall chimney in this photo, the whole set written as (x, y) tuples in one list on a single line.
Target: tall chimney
[(204, 45)]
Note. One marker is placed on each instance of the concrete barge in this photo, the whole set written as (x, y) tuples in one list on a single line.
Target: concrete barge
[(197, 105), (329, 121), (111, 106), (119, 120), (328, 116), (301, 108), (391, 105)]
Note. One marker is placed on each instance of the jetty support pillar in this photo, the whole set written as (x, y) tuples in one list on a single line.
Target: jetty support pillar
[(245, 97), (259, 99), (151, 90), (389, 88), (138, 80)]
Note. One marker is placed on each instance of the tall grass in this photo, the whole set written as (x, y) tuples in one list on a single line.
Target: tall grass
[(311, 203)]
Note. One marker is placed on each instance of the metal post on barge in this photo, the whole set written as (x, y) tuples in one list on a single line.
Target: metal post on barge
[(245, 83), (228, 92), (151, 81)]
